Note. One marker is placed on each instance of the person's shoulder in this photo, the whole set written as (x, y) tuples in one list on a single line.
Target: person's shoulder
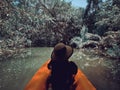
[(72, 64), (73, 67)]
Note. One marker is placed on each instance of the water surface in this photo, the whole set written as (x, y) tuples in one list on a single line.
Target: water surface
[(102, 72)]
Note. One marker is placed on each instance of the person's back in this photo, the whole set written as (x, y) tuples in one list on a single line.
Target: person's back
[(62, 70)]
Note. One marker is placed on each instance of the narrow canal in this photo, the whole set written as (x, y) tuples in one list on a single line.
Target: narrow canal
[(102, 72)]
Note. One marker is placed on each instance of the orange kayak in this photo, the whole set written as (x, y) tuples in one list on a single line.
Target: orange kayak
[(38, 81)]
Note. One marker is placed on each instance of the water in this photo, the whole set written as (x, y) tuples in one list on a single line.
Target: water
[(102, 72), (15, 73)]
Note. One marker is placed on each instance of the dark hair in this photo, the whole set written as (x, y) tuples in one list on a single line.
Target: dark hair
[(62, 74)]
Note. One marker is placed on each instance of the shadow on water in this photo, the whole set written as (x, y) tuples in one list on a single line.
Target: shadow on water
[(102, 72)]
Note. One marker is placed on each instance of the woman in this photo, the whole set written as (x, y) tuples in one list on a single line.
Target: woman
[(59, 73), (62, 70)]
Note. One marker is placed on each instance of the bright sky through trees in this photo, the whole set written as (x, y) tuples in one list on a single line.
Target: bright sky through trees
[(78, 3)]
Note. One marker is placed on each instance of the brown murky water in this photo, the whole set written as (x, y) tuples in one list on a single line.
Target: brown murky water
[(102, 72)]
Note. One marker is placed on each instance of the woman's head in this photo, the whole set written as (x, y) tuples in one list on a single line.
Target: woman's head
[(61, 51)]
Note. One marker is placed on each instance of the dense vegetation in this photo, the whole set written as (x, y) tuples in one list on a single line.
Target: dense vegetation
[(26, 23)]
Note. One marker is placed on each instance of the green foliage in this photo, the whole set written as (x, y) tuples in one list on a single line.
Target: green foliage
[(38, 21), (26, 23), (107, 18), (103, 18)]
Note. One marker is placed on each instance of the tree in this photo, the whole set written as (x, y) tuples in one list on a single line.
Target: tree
[(107, 18), (117, 3), (39, 20), (89, 14)]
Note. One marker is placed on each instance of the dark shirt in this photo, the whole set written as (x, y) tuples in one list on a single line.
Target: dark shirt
[(62, 73)]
